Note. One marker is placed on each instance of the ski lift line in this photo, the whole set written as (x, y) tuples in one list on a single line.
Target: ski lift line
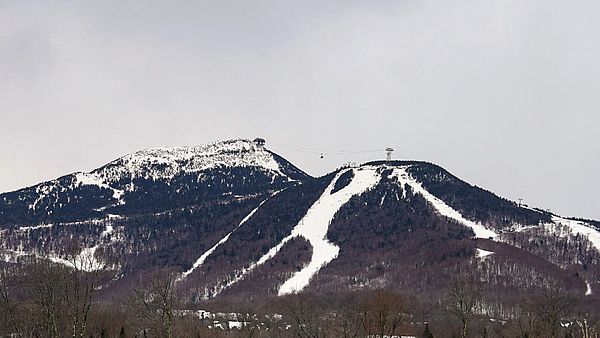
[(325, 151), (336, 152), (301, 150), (310, 151), (364, 151), (307, 151), (306, 148), (321, 150)]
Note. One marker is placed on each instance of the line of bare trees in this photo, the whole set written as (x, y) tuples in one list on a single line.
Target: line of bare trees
[(46, 299), (545, 313), (41, 298), (380, 313)]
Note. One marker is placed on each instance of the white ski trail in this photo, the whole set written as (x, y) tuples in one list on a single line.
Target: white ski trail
[(198, 263), (315, 224), (444, 209)]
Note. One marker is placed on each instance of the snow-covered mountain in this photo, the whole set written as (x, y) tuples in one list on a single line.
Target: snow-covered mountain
[(168, 163), (236, 220), (148, 179)]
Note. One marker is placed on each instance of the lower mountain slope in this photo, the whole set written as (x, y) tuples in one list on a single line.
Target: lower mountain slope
[(395, 233)]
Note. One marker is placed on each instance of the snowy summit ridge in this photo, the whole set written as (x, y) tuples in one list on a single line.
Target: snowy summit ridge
[(183, 175), (166, 162)]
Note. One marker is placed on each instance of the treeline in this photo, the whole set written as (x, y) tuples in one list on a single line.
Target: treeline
[(45, 299)]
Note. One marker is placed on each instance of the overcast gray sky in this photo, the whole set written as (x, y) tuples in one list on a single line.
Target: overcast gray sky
[(502, 93)]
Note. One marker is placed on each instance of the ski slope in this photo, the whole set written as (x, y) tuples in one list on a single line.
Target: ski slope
[(315, 224), (581, 228), (444, 209), (313, 227), (205, 255)]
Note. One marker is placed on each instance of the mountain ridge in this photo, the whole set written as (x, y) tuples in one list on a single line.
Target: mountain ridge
[(234, 231), (110, 183)]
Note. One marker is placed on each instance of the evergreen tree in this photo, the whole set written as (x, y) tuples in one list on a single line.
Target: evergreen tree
[(427, 333), (122, 333)]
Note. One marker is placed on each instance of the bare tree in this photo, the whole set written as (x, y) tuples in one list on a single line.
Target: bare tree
[(584, 325), (8, 306), (83, 279), (45, 284), (586, 321), (347, 319), (462, 298), (527, 323), (382, 313), (155, 302), (545, 310), (62, 293), (553, 307), (304, 312)]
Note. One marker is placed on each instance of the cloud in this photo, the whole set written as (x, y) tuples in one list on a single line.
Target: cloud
[(500, 92)]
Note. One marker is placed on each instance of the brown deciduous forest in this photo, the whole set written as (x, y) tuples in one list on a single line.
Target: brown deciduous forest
[(45, 299)]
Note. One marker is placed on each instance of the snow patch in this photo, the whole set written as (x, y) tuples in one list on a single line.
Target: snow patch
[(382, 199), (588, 291), (44, 190), (35, 227), (107, 231), (84, 261), (581, 228), (445, 210), (95, 180), (482, 254), (234, 324), (10, 256)]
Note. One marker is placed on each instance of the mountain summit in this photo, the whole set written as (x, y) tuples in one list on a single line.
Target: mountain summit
[(150, 178)]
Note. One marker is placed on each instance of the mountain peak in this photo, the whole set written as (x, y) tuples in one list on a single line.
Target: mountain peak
[(166, 162), (183, 175)]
